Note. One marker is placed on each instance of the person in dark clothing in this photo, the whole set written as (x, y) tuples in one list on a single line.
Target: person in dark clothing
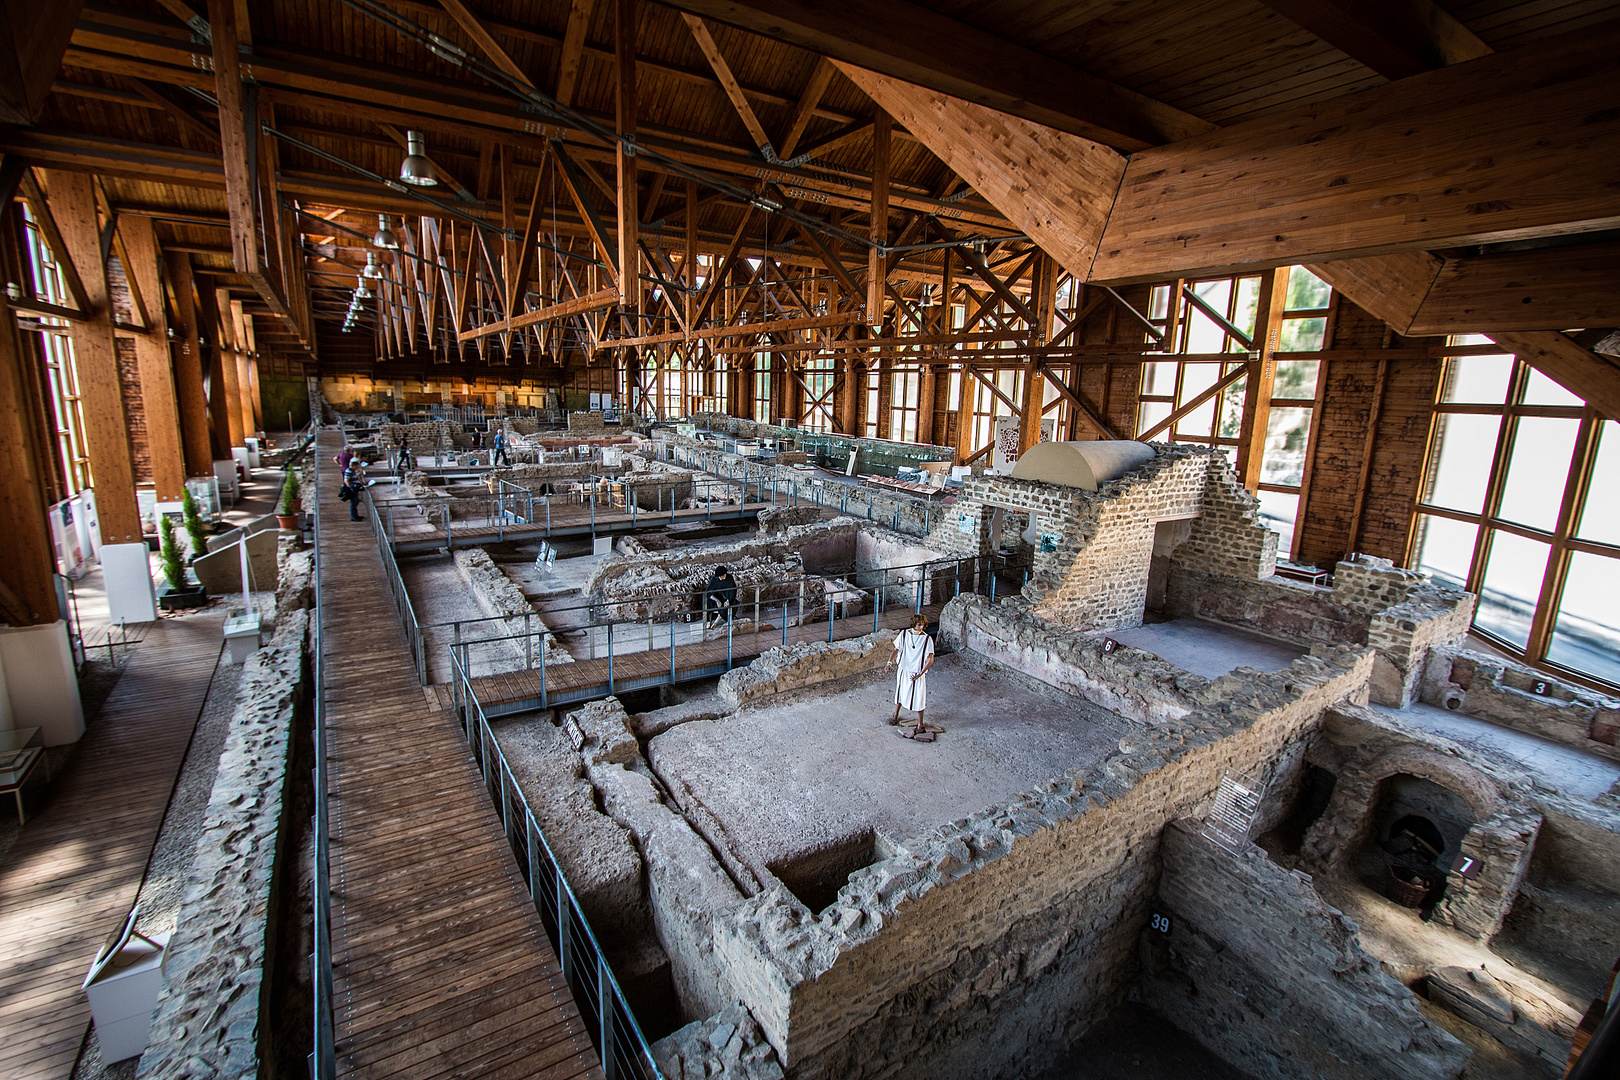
[(405, 462), (719, 596), (354, 478)]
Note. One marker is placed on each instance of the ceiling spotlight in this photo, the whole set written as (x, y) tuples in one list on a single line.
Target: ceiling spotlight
[(370, 269), (416, 168), (385, 237), (363, 292)]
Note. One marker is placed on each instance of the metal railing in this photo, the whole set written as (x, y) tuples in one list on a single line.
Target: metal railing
[(619, 1040), (323, 1058), (667, 618)]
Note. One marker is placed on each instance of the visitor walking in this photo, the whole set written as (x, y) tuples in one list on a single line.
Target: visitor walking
[(914, 653), (354, 482), (719, 596), (405, 462), (501, 456)]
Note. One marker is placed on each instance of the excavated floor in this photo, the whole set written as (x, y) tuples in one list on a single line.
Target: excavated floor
[(1207, 648), (795, 781)]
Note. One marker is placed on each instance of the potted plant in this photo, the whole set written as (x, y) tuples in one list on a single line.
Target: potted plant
[(178, 594), (287, 509), (196, 531)]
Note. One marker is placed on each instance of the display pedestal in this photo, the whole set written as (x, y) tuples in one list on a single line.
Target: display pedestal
[(41, 683), (123, 986), (242, 636), (127, 575)]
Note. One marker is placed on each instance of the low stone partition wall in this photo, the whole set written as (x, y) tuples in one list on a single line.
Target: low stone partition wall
[(1127, 681), (1520, 697), (501, 597), (212, 1015), (726, 1046), (1256, 966), (993, 942), (783, 670), (1295, 610)]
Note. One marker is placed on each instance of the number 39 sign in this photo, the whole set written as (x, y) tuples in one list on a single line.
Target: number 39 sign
[(1161, 923)]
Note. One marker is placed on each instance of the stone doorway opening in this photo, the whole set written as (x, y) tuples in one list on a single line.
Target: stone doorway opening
[(1167, 536)]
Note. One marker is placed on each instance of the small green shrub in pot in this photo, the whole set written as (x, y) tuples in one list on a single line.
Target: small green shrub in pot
[(174, 567)]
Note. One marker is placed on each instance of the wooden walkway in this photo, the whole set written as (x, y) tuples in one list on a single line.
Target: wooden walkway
[(584, 680), (76, 868), (413, 534), (441, 965)]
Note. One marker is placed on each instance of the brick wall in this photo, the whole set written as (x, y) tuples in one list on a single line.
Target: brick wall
[(129, 385)]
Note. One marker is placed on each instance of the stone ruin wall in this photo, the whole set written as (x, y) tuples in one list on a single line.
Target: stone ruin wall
[(1504, 692), (1257, 967), (985, 948), (1096, 575)]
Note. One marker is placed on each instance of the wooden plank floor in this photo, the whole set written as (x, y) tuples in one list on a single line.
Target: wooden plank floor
[(441, 965), (77, 865), (513, 686), (411, 529)]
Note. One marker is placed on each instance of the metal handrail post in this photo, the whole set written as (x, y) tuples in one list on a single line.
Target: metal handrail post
[(672, 646), (610, 656)]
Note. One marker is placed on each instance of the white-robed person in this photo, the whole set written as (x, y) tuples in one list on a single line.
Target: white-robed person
[(914, 654)]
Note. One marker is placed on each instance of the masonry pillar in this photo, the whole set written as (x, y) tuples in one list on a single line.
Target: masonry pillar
[(190, 395), (125, 569)]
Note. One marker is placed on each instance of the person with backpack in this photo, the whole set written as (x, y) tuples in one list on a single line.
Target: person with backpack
[(354, 483)]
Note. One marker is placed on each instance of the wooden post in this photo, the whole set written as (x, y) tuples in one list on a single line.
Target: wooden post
[(624, 54), (1273, 299), (27, 593), (73, 202), (244, 378), (225, 399), (875, 260), (927, 388), (1044, 295), (154, 364), (191, 399)]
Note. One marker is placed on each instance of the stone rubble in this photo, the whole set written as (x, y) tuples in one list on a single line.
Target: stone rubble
[(726, 1046)]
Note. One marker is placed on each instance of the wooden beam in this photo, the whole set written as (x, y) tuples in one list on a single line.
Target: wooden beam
[(775, 326), (851, 132), (1262, 372), (153, 363), (1396, 38), (624, 111), (1550, 289), (191, 399), (1056, 187), (805, 110), (1392, 287), (905, 40), (31, 50), (573, 183), (728, 82), (241, 185), (595, 301), (876, 267), (73, 201), (485, 41), (572, 51), (40, 207), (1513, 146)]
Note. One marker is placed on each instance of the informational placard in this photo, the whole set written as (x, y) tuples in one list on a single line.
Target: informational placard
[(1005, 454)]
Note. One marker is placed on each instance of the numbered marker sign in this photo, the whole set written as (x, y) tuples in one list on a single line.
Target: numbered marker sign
[(1161, 923)]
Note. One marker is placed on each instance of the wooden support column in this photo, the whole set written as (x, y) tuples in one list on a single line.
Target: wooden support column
[(73, 202), (225, 396), (1044, 295), (153, 363), (1273, 299), (876, 265), (624, 101), (925, 403), (244, 375), (27, 591), (689, 267), (191, 398)]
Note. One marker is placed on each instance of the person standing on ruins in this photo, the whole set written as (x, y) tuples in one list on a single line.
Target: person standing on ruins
[(501, 457), (914, 652)]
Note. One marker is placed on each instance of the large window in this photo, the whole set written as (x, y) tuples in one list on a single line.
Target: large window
[(816, 412), (62, 369), (1518, 507), (905, 390), (1195, 394), (762, 387)]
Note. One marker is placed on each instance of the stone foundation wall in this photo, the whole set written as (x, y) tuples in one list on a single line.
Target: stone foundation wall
[(500, 596), (1228, 538), (1257, 967), (212, 1014), (726, 1046), (1504, 692), (982, 949), (1278, 607), (784, 670)]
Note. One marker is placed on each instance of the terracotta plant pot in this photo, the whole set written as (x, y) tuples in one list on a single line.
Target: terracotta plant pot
[(287, 522)]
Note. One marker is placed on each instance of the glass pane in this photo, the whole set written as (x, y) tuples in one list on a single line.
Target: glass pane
[(1600, 520), (1302, 335), (1537, 471), (1232, 409), (1445, 549), (1278, 509), (1194, 381), (1295, 379), (1507, 597), (1159, 377), (1287, 434), (1243, 312), (1306, 290), (1151, 413), (1477, 380), (1586, 636), (1463, 448), (1159, 302), (1540, 390), (1204, 335)]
